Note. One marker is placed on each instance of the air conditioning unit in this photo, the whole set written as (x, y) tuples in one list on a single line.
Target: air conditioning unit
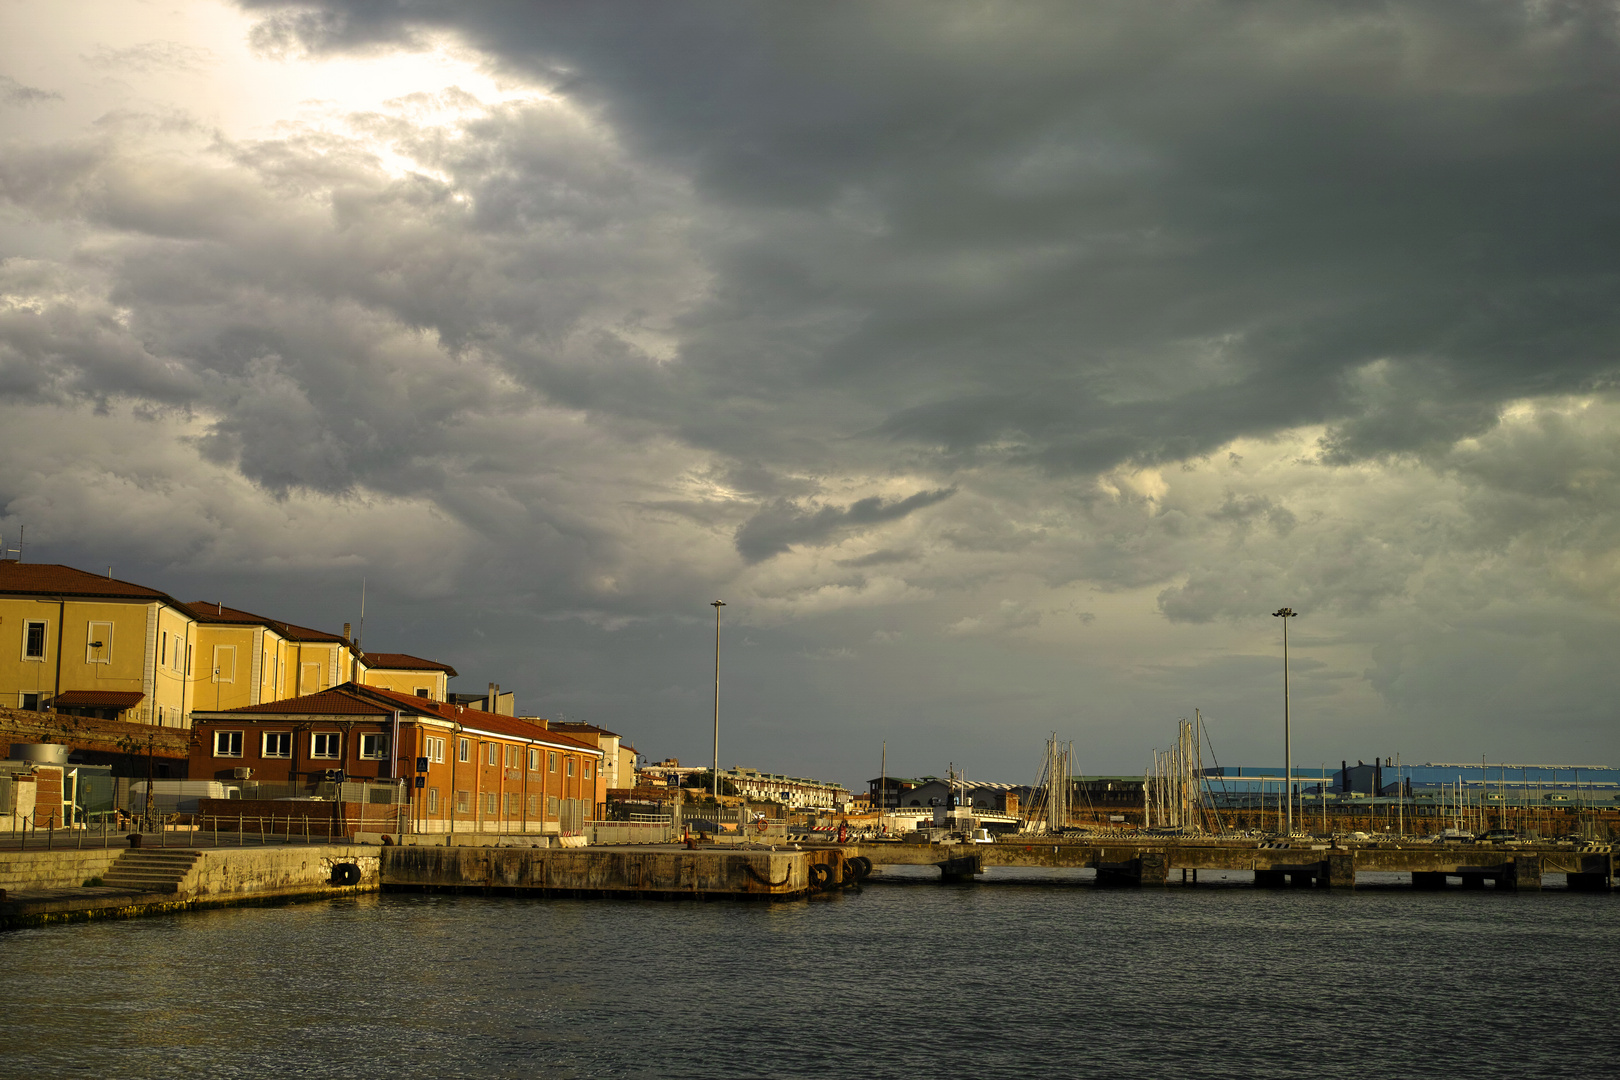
[(242, 772)]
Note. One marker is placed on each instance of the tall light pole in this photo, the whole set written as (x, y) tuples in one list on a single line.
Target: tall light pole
[(1288, 747), (717, 605)]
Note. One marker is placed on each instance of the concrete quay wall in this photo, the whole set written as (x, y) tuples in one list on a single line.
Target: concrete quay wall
[(649, 872), (59, 869), (1151, 863)]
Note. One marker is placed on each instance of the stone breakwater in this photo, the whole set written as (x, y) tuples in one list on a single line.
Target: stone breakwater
[(48, 886)]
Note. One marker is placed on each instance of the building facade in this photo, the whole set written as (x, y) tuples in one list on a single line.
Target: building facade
[(459, 769), (112, 648)]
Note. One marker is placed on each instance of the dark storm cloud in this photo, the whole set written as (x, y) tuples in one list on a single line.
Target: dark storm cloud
[(784, 524), (1075, 235)]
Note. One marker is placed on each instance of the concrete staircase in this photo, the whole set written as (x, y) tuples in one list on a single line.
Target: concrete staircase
[(145, 870)]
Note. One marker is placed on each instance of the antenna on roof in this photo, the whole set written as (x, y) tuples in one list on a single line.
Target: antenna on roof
[(361, 636), (4, 551), (219, 607)]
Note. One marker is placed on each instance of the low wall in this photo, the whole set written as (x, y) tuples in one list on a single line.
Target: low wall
[(668, 873), (250, 873), (59, 869)]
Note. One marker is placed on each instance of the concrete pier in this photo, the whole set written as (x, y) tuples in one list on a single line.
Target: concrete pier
[(1279, 864), (653, 872)]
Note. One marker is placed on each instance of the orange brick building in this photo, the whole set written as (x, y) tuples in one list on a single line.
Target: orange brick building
[(462, 770)]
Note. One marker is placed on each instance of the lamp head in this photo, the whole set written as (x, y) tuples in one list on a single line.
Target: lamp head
[(1284, 613)]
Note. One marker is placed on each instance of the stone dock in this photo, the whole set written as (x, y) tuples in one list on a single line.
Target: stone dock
[(42, 887), (1298, 863)]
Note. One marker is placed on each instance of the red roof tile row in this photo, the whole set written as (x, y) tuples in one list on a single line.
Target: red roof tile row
[(352, 699)]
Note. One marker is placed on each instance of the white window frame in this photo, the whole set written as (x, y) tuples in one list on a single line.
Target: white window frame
[(551, 761), (424, 692), (464, 751), (336, 738), (492, 753), (378, 743), (227, 739), (568, 763), (44, 640), (284, 737), (534, 760), (432, 800), (435, 750), (103, 655)]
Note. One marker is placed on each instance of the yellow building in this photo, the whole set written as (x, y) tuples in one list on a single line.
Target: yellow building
[(407, 674), (105, 647), (245, 659)]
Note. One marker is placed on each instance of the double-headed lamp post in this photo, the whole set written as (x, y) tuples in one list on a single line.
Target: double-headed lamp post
[(1288, 748), (717, 605)]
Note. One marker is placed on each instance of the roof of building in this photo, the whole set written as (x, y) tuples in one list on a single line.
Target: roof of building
[(585, 729), (212, 611), (398, 661), (52, 579), (352, 699), (107, 699)]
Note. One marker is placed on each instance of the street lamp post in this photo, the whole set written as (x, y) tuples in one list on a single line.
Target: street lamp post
[(717, 605), (1288, 747)]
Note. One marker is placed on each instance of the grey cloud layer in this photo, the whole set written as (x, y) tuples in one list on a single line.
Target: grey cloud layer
[(1074, 235), (949, 326)]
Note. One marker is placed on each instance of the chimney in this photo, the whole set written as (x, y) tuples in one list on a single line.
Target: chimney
[(346, 629)]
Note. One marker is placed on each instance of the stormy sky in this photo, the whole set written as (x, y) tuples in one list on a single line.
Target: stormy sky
[(1002, 366)]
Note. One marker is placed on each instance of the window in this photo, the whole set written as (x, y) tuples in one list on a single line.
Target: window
[(463, 752), (435, 749), (462, 802), (491, 749), (534, 760), (98, 643), (552, 762), (30, 702), (534, 806), (374, 745), (512, 804), (512, 756), (176, 661), (227, 744), (433, 800), (224, 663), (160, 716), (163, 649), (34, 639), (491, 807), (551, 806), (570, 765), (278, 744), (309, 678), (325, 744), (587, 768), (421, 691)]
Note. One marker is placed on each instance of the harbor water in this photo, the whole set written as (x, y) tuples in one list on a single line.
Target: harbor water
[(1025, 975)]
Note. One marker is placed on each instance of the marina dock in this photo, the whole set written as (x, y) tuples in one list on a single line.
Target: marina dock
[(1151, 862)]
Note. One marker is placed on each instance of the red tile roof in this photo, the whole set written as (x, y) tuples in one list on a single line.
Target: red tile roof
[(398, 661), (113, 699), (588, 729), (212, 611), (51, 579), (352, 699)]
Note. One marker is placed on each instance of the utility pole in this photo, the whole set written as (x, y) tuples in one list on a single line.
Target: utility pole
[(717, 605), (1288, 745)]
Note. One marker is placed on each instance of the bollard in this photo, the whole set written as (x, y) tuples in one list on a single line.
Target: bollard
[(240, 839)]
